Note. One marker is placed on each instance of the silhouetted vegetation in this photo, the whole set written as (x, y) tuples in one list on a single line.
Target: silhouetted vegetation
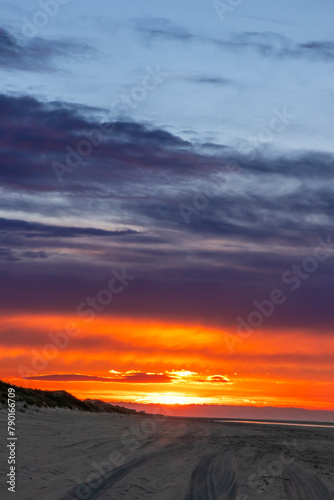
[(58, 399)]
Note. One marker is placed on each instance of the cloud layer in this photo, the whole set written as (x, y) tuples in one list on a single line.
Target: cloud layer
[(266, 44), (173, 212), (38, 54), (167, 189)]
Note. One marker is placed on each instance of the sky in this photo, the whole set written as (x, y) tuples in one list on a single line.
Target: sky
[(166, 225)]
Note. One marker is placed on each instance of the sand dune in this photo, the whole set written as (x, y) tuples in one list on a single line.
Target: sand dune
[(64, 454)]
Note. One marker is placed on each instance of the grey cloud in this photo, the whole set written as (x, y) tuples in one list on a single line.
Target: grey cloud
[(267, 44), (35, 255), (37, 229), (38, 54), (208, 80), (255, 226)]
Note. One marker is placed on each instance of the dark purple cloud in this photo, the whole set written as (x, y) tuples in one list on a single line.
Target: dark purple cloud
[(36, 229), (136, 378), (253, 227)]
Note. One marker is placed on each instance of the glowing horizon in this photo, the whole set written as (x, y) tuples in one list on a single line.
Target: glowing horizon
[(178, 363)]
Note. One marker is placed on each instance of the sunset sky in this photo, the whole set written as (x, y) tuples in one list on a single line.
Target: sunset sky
[(166, 226)]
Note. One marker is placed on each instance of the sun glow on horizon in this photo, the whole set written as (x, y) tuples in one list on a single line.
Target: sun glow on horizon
[(179, 364), (170, 398)]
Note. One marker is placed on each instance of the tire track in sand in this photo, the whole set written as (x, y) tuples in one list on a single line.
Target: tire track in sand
[(213, 479), (301, 485), (109, 479)]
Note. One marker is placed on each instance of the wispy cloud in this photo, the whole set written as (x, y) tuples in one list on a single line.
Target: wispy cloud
[(39, 54), (138, 378), (128, 192), (134, 378), (200, 78), (266, 44), (37, 230)]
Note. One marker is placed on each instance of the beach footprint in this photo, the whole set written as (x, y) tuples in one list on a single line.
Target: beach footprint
[(302, 485)]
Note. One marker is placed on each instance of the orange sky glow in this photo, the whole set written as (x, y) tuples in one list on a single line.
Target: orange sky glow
[(148, 361)]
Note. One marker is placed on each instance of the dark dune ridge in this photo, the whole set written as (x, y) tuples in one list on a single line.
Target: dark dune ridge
[(58, 399)]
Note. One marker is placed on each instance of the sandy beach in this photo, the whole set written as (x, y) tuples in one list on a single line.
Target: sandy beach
[(65, 454)]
